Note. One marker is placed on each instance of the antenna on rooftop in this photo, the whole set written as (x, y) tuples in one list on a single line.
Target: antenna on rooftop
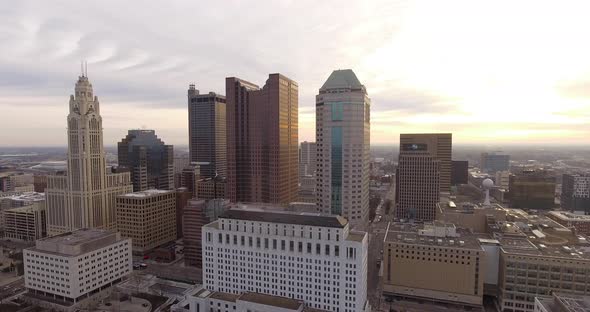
[(82, 68)]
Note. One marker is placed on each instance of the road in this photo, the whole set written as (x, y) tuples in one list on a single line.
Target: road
[(12, 289)]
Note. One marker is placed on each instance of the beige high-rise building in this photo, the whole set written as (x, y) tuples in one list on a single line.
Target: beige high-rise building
[(85, 197), (148, 218), (440, 146), (343, 140)]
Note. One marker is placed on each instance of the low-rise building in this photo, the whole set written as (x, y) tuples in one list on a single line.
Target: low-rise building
[(21, 199), (148, 218), (579, 222), (27, 223), (62, 271), (435, 261), (205, 300)]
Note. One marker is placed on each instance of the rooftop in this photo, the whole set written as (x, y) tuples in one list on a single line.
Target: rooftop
[(300, 218), (76, 243), (409, 234), (146, 193), (566, 303), (342, 79), (269, 300)]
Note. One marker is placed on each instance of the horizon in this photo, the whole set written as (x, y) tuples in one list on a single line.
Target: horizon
[(483, 83)]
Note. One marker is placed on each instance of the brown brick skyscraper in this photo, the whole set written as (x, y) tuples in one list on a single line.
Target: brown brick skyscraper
[(262, 140)]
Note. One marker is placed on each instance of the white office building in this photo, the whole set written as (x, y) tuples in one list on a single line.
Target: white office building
[(343, 148), (72, 266), (310, 257)]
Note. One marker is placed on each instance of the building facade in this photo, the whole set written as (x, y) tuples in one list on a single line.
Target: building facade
[(575, 193), (440, 147), (73, 266), (150, 161), (26, 223), (207, 132), (433, 261), (343, 139), (85, 197), (197, 214), (148, 218), (313, 258), (204, 300), (532, 189), (418, 177), (459, 172), (262, 140), (307, 158), (494, 161)]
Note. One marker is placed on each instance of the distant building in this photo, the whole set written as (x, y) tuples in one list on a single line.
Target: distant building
[(189, 178), (148, 218), (439, 146), (85, 197), (39, 183), (150, 161), (26, 218), (204, 300), (307, 189), (17, 182), (314, 258), (262, 140), (459, 172), (495, 161), (307, 158), (418, 178), (198, 213), (64, 270), (343, 138), (183, 195), (180, 162), (579, 222), (532, 189), (207, 132), (502, 180), (575, 193), (211, 188)]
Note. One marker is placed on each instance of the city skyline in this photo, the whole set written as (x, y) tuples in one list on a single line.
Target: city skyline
[(448, 74)]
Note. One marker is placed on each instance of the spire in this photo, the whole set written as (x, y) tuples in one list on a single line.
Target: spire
[(84, 69)]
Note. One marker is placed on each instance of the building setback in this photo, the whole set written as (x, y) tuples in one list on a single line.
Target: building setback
[(313, 258), (343, 111), (67, 268), (207, 132), (150, 161), (85, 197), (148, 218), (262, 140)]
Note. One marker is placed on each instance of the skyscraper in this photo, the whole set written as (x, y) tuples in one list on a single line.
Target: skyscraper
[(419, 176), (207, 132), (343, 147), (440, 146), (85, 197), (262, 140), (150, 161)]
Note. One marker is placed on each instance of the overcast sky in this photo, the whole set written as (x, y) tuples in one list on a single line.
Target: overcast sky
[(492, 72)]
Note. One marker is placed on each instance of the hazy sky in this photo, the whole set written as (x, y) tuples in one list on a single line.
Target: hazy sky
[(491, 72)]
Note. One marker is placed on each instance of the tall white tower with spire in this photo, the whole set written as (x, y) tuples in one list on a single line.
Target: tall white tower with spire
[(85, 197)]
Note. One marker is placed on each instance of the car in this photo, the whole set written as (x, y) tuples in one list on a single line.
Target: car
[(146, 257), (143, 266)]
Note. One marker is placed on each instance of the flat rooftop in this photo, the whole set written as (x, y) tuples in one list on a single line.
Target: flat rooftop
[(408, 234), (146, 193), (566, 303), (299, 218), (76, 243), (539, 247), (275, 301)]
